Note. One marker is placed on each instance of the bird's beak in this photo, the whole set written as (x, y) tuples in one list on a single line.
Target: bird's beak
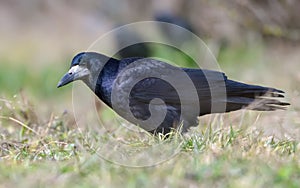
[(67, 78), (75, 73)]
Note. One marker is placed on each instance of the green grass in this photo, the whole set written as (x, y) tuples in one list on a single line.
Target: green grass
[(54, 153), (42, 83)]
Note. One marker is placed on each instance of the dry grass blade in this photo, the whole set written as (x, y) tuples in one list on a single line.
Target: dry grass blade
[(21, 123)]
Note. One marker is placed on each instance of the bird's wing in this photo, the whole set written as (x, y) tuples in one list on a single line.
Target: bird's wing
[(204, 82), (150, 79)]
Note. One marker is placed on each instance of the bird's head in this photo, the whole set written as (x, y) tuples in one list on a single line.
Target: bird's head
[(85, 66)]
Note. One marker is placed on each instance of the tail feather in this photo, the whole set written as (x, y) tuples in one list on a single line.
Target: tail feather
[(265, 104), (240, 95)]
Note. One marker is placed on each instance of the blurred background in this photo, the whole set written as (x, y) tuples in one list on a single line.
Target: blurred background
[(253, 41)]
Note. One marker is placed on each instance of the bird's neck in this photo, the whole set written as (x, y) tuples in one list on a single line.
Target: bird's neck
[(105, 81), (107, 77)]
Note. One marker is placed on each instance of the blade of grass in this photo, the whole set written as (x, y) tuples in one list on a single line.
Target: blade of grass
[(20, 123)]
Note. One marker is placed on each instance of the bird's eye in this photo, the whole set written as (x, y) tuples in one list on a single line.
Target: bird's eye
[(83, 64)]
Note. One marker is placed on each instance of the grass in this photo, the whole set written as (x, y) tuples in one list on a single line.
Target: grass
[(55, 153), (42, 83)]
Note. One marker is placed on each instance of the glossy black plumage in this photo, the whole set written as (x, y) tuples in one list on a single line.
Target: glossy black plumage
[(119, 83)]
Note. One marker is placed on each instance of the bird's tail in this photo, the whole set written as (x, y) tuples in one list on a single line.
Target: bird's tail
[(240, 95)]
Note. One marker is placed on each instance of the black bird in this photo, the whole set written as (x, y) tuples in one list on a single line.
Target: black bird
[(177, 36), (173, 19), (138, 47), (160, 97)]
